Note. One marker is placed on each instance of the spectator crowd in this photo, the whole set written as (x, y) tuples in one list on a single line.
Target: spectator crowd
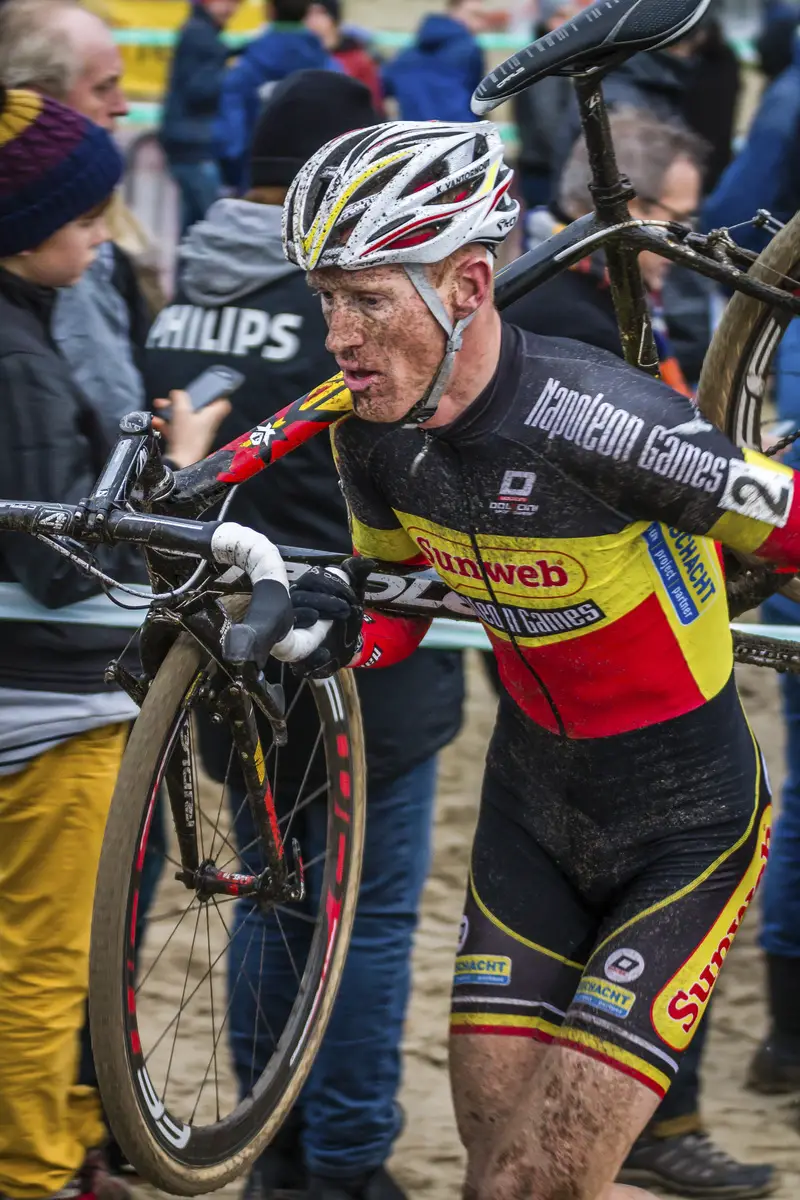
[(87, 335)]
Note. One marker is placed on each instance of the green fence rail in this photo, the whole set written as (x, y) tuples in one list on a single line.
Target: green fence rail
[(146, 114), (17, 605), (502, 43)]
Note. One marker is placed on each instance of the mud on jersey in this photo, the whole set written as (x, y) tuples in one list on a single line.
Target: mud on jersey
[(576, 504)]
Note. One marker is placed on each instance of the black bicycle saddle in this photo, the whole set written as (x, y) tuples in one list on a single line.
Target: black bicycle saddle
[(607, 32)]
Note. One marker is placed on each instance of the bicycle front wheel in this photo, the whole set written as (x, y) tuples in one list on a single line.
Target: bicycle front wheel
[(738, 369), (208, 1005)]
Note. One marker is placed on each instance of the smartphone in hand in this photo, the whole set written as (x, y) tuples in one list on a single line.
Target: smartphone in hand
[(212, 385)]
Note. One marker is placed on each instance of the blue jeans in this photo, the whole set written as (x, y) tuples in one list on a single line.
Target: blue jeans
[(200, 184), (349, 1106), (780, 892)]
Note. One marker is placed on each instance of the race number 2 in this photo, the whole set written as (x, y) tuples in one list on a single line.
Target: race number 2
[(758, 492)]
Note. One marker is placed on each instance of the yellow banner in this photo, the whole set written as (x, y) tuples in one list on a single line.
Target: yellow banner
[(147, 67)]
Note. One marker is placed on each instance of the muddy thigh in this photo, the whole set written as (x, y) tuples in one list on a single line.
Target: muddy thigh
[(569, 1134)]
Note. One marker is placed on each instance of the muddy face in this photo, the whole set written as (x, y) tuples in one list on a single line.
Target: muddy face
[(386, 341)]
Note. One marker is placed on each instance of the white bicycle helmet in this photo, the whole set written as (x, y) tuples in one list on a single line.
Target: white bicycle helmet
[(406, 192)]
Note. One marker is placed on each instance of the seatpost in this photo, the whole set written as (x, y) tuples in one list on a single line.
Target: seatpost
[(611, 193)]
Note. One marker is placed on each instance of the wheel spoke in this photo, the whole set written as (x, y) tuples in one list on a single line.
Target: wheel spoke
[(183, 993), (298, 916), (154, 963), (301, 789), (221, 801), (288, 947), (218, 1037), (298, 808), (258, 1006), (196, 989), (257, 998), (224, 839), (213, 1013)]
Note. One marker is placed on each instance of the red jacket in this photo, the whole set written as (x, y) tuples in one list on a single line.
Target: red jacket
[(360, 65)]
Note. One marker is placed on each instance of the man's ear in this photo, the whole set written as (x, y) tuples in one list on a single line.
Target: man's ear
[(473, 281)]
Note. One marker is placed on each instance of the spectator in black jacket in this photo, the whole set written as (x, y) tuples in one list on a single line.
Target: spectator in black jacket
[(195, 87), (241, 303), (61, 732), (540, 113)]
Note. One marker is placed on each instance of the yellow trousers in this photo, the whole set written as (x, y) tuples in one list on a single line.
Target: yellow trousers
[(52, 817)]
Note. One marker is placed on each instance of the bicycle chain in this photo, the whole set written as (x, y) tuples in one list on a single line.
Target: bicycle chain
[(782, 444), (757, 651)]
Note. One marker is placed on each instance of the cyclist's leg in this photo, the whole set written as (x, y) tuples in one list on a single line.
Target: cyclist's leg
[(645, 987), (524, 939), (569, 1132)]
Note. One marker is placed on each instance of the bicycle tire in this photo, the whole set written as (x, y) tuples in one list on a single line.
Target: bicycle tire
[(733, 381), (144, 1135)]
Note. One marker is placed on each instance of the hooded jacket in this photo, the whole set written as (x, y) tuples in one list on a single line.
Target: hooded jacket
[(279, 52), (240, 303), (96, 324), (655, 80), (53, 449), (434, 79)]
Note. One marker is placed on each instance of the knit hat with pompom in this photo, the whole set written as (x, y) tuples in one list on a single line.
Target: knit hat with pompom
[(55, 166)]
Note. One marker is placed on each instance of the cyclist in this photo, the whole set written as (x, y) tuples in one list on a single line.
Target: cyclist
[(576, 503)]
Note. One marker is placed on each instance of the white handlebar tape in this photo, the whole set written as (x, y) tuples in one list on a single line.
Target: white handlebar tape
[(237, 546)]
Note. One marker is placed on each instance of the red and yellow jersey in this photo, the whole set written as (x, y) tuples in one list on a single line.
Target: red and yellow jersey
[(577, 506)]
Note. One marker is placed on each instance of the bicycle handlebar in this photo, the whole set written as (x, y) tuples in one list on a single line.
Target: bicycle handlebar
[(267, 626)]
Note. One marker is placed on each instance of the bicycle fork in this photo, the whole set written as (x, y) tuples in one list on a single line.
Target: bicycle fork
[(282, 879)]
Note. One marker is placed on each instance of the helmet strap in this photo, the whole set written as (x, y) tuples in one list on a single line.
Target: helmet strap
[(427, 407)]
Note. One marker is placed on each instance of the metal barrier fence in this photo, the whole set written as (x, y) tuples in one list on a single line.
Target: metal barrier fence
[(17, 605), (503, 43)]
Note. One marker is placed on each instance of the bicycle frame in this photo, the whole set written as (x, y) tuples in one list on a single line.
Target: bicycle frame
[(612, 228)]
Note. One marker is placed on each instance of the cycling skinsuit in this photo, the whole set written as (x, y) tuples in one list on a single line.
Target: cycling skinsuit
[(625, 813)]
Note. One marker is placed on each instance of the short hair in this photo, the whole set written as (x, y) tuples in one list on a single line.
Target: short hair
[(646, 149), (291, 10), (30, 56)]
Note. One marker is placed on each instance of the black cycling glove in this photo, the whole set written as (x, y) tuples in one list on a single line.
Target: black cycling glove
[(320, 595)]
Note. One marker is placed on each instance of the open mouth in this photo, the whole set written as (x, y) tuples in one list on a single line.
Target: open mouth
[(358, 381)]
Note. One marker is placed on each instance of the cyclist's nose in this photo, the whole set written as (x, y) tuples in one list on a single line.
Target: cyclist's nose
[(344, 331)]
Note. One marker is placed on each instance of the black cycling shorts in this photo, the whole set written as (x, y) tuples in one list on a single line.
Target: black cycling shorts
[(608, 880)]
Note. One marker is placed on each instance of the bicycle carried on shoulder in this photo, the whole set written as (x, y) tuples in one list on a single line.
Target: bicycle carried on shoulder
[(244, 784)]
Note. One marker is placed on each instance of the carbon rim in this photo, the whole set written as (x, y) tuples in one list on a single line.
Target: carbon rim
[(205, 1120)]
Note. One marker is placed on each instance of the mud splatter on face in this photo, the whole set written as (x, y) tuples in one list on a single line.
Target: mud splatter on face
[(384, 338)]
